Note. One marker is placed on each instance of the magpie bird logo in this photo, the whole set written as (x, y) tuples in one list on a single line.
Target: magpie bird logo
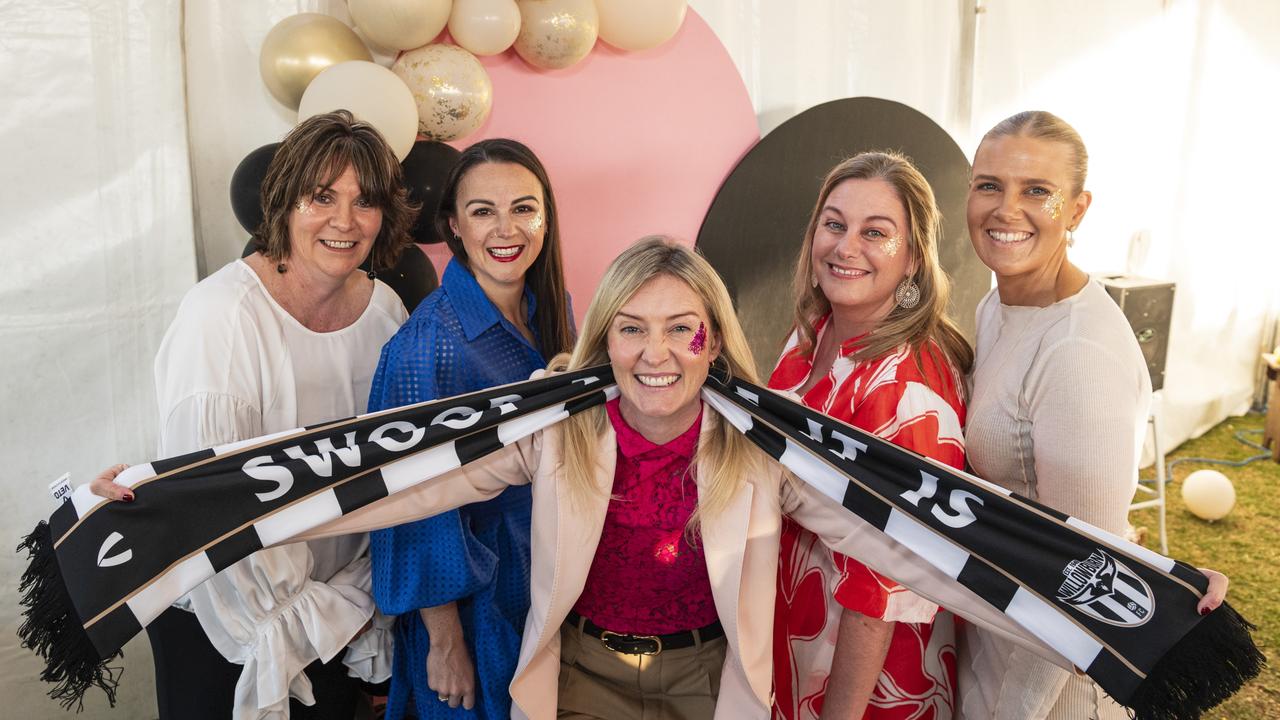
[(1105, 589), (119, 558)]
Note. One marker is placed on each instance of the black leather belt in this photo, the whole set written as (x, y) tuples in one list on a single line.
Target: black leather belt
[(645, 644)]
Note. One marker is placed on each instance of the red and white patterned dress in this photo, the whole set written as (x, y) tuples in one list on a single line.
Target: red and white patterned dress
[(918, 406)]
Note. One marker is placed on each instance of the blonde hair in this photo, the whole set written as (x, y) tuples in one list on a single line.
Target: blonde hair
[(728, 456), (1046, 126), (913, 327)]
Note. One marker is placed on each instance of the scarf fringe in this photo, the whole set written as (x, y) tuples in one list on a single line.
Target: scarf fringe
[(52, 628), (1208, 665)]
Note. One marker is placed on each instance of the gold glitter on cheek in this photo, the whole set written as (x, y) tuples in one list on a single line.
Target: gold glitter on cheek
[(303, 207), (891, 245), (535, 223), (1053, 205)]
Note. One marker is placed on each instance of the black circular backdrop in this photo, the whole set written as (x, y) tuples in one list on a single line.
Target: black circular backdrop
[(755, 225)]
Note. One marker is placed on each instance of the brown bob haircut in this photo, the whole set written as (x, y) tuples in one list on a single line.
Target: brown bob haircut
[(545, 277), (313, 155)]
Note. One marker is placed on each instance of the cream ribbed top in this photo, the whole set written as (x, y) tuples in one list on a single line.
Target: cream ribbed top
[(1057, 413)]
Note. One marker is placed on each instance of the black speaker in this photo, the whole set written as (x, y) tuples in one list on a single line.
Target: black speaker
[(1148, 305)]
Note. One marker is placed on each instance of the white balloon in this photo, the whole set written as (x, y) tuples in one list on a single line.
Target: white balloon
[(633, 25), (484, 27), (1208, 494), (400, 24), (373, 94)]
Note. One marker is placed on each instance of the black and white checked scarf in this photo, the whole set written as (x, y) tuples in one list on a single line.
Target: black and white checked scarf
[(100, 572)]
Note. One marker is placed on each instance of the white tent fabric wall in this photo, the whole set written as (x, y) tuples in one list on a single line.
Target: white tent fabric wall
[(98, 245), (1172, 100)]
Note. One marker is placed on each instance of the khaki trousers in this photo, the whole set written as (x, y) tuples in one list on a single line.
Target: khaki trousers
[(598, 683)]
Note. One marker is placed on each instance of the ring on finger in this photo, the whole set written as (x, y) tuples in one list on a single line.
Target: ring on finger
[(442, 698)]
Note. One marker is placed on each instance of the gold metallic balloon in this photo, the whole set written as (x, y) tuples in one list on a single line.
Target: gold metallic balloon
[(451, 88), (556, 34), (484, 27), (632, 25), (400, 24), (299, 47)]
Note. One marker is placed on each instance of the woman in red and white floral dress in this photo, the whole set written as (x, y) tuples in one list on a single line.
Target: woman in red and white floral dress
[(872, 347)]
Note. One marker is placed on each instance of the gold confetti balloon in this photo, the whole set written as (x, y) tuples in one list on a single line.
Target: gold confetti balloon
[(299, 47), (450, 87), (556, 34)]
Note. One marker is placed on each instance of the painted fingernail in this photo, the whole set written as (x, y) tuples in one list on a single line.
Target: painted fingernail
[(1204, 611), (128, 497)]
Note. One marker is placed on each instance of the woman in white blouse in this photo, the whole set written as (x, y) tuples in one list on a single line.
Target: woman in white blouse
[(1060, 389), (285, 337)]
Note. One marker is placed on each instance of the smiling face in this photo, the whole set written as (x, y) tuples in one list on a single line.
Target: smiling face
[(501, 220), (661, 347), (1021, 202), (861, 250), (332, 231)]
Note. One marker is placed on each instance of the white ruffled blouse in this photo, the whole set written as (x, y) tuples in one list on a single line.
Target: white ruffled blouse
[(234, 365)]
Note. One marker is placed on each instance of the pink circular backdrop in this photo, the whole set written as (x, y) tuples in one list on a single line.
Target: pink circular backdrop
[(636, 143)]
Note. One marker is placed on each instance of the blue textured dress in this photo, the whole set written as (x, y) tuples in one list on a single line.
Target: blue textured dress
[(455, 342)]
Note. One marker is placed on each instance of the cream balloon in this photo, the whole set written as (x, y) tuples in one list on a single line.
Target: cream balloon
[(298, 47), (372, 93), (400, 24), (484, 27), (556, 34), (450, 88), (1208, 494), (631, 25)]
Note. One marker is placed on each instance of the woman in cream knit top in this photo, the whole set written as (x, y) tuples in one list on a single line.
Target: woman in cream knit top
[(1060, 389)]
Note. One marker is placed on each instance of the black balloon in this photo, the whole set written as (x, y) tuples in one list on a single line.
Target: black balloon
[(425, 170), (754, 228), (413, 277), (246, 186)]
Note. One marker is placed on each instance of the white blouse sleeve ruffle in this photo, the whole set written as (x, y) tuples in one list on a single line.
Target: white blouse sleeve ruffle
[(266, 612)]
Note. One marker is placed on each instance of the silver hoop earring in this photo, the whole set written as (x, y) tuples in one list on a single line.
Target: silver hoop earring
[(907, 294)]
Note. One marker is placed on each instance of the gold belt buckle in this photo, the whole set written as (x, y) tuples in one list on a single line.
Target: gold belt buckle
[(607, 638)]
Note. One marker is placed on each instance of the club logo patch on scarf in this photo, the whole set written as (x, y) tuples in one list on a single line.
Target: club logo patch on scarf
[(1105, 589)]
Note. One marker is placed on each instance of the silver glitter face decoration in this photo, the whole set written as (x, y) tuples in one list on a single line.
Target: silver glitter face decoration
[(890, 245), (1052, 205), (535, 223), (303, 207)]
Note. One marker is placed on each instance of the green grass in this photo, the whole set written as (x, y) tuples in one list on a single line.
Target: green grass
[(1245, 545)]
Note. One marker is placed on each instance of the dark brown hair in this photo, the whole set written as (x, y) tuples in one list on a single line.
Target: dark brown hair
[(545, 277), (913, 327), (313, 155)]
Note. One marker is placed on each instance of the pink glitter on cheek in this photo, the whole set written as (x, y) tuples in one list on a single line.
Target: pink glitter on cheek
[(699, 341)]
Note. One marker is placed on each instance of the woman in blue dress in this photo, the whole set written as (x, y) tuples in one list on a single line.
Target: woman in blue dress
[(459, 582)]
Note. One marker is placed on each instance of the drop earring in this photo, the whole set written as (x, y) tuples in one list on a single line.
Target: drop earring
[(907, 294), (280, 268), (1071, 237)]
